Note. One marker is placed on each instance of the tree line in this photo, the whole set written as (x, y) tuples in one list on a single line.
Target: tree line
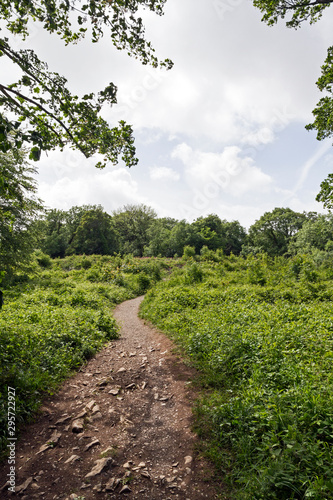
[(137, 230), (133, 229), (26, 226)]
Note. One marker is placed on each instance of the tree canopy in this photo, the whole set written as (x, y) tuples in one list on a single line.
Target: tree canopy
[(297, 10), (38, 109), (132, 223), (274, 230), (18, 208)]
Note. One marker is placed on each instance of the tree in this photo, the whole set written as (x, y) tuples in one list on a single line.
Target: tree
[(18, 208), (298, 12), (314, 234), (216, 233), (181, 235), (132, 223), (159, 237), (274, 230), (53, 233), (58, 229), (209, 232), (325, 194), (94, 234), (38, 108), (234, 237)]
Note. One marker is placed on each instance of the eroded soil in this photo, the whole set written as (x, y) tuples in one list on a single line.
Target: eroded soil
[(121, 427)]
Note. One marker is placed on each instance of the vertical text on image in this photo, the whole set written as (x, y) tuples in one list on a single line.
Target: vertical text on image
[(11, 416)]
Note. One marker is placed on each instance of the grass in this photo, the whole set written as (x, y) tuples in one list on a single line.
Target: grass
[(261, 333)]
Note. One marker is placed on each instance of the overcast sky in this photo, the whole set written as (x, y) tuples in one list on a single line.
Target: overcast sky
[(222, 132)]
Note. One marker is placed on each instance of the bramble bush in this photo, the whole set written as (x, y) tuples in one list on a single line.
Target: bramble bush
[(261, 332)]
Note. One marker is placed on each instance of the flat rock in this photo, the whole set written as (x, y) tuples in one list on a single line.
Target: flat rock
[(108, 451), (81, 415), (97, 416), (125, 489), (131, 387), (115, 390), (77, 426), (95, 409), (51, 443), (90, 405), (72, 459), (92, 444), (112, 484), (100, 465), (63, 420), (24, 486)]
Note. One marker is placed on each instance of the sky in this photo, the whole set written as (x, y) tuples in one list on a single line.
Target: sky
[(222, 132)]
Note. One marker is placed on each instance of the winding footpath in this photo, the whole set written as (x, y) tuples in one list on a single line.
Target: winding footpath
[(119, 428)]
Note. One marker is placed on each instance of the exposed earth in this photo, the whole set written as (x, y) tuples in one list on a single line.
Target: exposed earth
[(119, 428)]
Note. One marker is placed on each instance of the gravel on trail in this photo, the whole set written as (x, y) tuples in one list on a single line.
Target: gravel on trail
[(119, 428)]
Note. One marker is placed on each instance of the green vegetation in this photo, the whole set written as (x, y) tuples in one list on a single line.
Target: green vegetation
[(57, 317), (252, 309), (260, 331), (133, 229)]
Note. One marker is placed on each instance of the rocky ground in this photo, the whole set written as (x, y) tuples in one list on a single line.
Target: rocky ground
[(121, 427)]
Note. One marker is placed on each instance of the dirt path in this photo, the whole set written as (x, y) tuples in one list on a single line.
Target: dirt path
[(119, 428)]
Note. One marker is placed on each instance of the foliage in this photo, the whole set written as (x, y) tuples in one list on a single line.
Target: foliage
[(325, 194), (136, 229), (216, 233), (159, 233), (273, 231), (59, 318), (260, 331), (314, 234), (189, 252), (299, 11), (132, 223), (94, 234), (47, 114), (18, 207), (86, 229)]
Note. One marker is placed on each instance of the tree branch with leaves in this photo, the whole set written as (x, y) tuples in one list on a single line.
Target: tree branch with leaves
[(46, 114)]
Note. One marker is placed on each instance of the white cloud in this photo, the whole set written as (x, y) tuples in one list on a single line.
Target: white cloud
[(263, 136), (111, 189), (158, 173), (227, 172)]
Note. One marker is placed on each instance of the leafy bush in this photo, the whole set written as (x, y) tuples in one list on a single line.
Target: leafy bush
[(42, 259), (193, 274), (189, 252)]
